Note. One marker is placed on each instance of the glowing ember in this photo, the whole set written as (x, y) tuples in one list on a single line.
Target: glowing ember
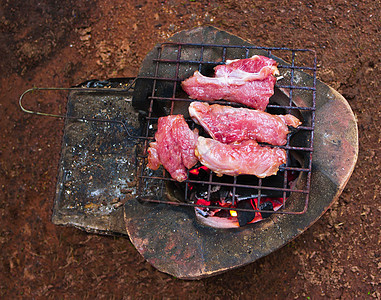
[(220, 208), (197, 170)]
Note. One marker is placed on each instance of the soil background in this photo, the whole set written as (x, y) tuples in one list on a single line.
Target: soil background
[(63, 43)]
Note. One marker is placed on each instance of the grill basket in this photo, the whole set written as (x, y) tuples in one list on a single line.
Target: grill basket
[(175, 62)]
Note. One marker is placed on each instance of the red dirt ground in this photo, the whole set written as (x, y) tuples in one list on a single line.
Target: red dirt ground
[(60, 43)]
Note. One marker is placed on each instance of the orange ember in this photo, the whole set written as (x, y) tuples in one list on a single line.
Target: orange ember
[(233, 213)]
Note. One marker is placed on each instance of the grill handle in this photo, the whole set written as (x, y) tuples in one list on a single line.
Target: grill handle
[(77, 88)]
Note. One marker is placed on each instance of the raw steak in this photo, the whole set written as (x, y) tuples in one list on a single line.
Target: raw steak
[(228, 124), (174, 147), (247, 81), (235, 159)]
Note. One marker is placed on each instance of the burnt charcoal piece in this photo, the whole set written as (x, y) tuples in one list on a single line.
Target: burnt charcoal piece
[(223, 213), (199, 190), (266, 206), (222, 193), (245, 217), (97, 83)]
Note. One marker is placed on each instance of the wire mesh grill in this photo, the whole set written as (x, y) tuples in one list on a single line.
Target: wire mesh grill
[(177, 61)]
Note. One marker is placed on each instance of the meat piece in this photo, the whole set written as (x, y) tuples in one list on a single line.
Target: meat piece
[(229, 124), (174, 147), (234, 159), (258, 67), (247, 81)]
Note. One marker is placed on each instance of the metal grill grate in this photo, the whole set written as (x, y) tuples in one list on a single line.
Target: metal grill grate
[(177, 61)]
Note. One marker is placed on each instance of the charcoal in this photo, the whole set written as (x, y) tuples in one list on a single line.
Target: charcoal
[(245, 217), (266, 206)]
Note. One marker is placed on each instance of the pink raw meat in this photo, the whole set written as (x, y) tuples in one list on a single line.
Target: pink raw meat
[(247, 81), (229, 124), (235, 159), (174, 147)]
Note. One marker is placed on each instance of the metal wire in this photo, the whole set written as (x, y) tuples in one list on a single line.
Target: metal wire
[(82, 89)]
